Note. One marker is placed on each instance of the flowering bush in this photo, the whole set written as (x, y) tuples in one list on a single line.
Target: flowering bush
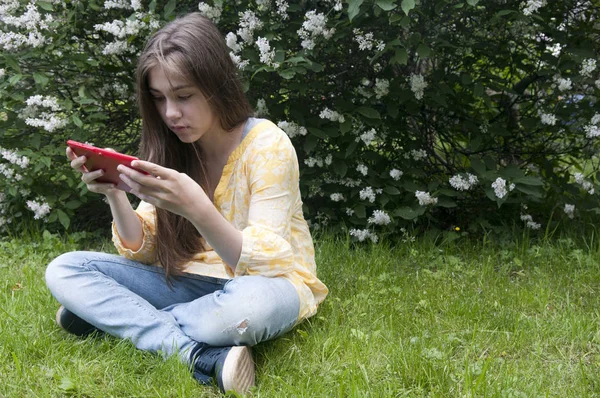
[(401, 111)]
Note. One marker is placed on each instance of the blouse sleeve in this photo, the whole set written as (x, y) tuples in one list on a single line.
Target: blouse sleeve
[(146, 254), (273, 182)]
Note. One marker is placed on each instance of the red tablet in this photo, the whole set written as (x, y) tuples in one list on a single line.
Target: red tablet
[(98, 158)]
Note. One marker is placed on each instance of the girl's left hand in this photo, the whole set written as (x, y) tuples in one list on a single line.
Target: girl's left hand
[(165, 188)]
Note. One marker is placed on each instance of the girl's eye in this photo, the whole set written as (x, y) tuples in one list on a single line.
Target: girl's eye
[(184, 97), (157, 99)]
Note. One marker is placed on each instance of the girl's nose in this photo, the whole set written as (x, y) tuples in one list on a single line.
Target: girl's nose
[(172, 111)]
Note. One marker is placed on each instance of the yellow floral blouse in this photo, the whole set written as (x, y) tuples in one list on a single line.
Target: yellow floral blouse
[(259, 194)]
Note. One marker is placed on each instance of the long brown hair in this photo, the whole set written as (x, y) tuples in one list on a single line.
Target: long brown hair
[(190, 47)]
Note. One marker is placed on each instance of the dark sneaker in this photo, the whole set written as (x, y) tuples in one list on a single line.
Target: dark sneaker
[(231, 367), (72, 323)]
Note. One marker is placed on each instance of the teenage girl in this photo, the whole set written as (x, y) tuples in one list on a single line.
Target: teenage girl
[(217, 257)]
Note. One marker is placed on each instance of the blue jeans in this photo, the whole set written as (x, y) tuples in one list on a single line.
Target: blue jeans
[(131, 300)]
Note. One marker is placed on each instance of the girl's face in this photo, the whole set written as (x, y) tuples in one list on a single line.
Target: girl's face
[(182, 106)]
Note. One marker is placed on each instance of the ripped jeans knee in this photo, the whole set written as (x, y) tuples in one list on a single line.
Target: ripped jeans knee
[(249, 310)]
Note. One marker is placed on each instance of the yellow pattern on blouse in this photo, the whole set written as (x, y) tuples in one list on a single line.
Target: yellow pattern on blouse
[(259, 194)]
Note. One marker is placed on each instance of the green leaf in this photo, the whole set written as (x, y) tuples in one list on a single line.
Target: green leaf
[(368, 112), (401, 57), (407, 5), (477, 165), (408, 213), (534, 191), (446, 202), (386, 5), (287, 73), (319, 133), (478, 90), (77, 121), (169, 8), (529, 180), (310, 143), (360, 211), (351, 148), (504, 12), (66, 384), (14, 79), (354, 8), (12, 62), (391, 190), (423, 51), (340, 168), (73, 204), (472, 2), (63, 218), (40, 79), (45, 5)]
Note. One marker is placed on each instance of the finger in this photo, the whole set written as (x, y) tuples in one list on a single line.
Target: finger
[(147, 180), (78, 162), (134, 185), (152, 168), (110, 149), (92, 175), (98, 187)]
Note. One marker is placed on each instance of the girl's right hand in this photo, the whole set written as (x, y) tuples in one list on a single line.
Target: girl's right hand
[(89, 177)]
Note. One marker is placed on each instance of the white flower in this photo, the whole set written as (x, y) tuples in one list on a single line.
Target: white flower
[(213, 13), (461, 183), (532, 6), (337, 197), (570, 210), (292, 129), (116, 47), (529, 221), (547, 118), (267, 55), (586, 185), (587, 67), (49, 121), (363, 234), (425, 198), (39, 207), (382, 88), (418, 154), (349, 211), (417, 85), (249, 22), (14, 158), (396, 174), (367, 193), (331, 115), (232, 43), (314, 26), (500, 187), (379, 217), (282, 7), (366, 41), (554, 49), (2, 73), (362, 169), (237, 60), (311, 162), (597, 83), (368, 136), (563, 84), (261, 108)]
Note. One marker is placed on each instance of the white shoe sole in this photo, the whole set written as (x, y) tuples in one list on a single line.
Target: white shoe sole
[(238, 370)]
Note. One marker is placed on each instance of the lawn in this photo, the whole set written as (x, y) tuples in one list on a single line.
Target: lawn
[(425, 318)]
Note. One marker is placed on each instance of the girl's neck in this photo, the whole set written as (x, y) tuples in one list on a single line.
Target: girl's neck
[(218, 146)]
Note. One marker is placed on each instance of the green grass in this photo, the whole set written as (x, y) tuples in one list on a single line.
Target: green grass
[(463, 319)]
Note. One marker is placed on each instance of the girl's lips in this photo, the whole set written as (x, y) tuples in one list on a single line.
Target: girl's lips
[(178, 128)]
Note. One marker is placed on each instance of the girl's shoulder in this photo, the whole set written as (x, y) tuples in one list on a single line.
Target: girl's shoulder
[(266, 135)]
